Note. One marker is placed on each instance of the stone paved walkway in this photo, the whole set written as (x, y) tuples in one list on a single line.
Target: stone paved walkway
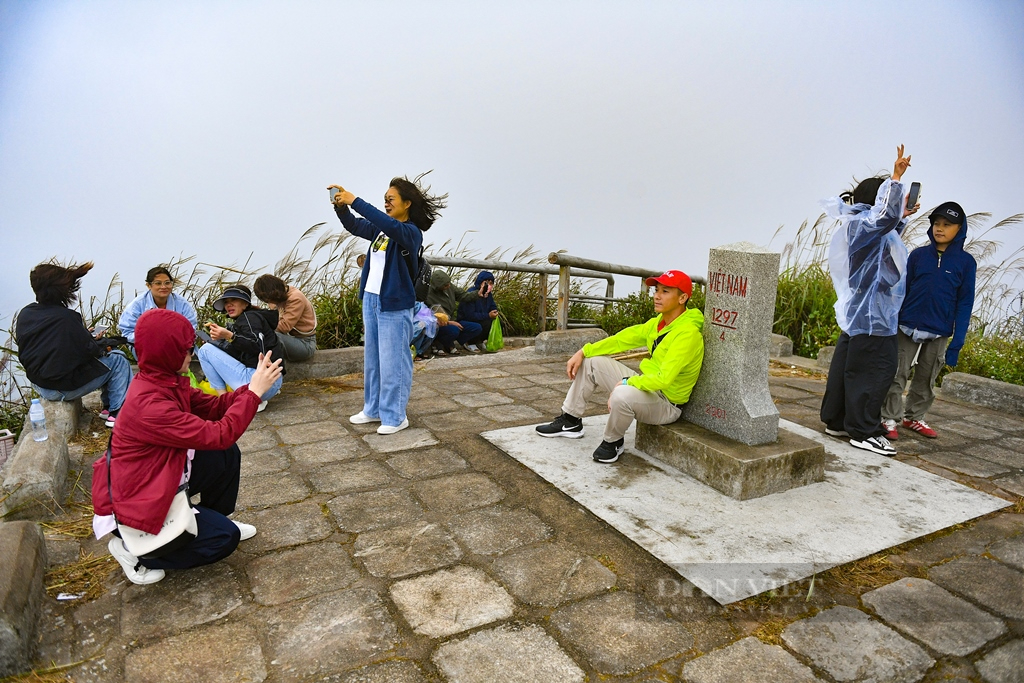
[(431, 556)]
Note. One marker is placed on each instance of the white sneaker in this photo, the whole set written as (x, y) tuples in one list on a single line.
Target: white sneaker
[(875, 444), (263, 406), (248, 530), (472, 348), (388, 429), (135, 572), (362, 418)]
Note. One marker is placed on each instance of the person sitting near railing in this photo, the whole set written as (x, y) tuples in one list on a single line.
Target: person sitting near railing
[(656, 395), (443, 297), (296, 323), (61, 358), (159, 294), (477, 306)]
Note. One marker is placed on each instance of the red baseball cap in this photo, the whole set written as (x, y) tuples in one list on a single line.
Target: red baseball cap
[(673, 278)]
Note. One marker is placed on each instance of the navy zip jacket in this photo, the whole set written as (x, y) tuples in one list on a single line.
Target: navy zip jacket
[(476, 308), (396, 289), (940, 291)]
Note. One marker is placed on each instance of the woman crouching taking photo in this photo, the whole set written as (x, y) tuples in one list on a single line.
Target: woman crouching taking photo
[(169, 434)]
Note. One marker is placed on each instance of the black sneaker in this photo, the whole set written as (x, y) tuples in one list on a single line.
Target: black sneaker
[(838, 433), (564, 425), (609, 451), (875, 444)]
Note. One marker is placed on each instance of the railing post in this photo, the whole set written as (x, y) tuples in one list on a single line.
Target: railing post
[(609, 291), (542, 312), (563, 298)]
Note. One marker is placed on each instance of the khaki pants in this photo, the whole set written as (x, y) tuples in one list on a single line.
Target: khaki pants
[(930, 360), (627, 403)]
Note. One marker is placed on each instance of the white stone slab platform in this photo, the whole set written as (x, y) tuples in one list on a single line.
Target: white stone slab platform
[(733, 549)]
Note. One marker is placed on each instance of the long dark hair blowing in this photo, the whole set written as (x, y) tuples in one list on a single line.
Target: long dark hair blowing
[(57, 285), (865, 191), (426, 208)]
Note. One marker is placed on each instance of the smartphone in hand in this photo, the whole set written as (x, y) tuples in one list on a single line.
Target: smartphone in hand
[(913, 195), (201, 334), (334, 192), (99, 330)]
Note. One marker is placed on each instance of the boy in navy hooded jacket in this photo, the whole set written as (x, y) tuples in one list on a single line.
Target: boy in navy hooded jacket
[(477, 306), (938, 305)]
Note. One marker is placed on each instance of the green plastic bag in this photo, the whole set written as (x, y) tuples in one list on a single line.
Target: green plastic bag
[(494, 340)]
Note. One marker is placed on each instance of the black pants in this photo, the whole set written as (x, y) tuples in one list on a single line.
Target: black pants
[(215, 477), (860, 376)]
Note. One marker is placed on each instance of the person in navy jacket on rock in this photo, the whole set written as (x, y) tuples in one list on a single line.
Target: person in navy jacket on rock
[(386, 288), (936, 310)]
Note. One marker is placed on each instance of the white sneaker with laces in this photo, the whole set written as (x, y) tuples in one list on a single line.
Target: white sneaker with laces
[(388, 429), (362, 418), (247, 530), (875, 444), (135, 572)]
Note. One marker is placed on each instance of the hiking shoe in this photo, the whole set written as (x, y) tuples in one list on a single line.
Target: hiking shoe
[(135, 572), (362, 418), (564, 425), (837, 432), (247, 531), (111, 418), (890, 430), (919, 426), (875, 444), (609, 451), (389, 429)]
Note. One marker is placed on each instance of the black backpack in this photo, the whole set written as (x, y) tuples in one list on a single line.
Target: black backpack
[(420, 271)]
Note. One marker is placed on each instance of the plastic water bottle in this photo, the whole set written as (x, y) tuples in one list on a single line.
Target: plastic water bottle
[(38, 419)]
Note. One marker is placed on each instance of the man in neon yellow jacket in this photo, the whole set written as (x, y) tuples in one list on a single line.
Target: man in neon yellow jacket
[(657, 394)]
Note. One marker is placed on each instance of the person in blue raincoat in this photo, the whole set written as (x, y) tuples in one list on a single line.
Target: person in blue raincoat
[(868, 264)]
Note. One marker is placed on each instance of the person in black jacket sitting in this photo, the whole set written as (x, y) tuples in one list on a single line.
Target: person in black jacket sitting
[(233, 356), (61, 358)]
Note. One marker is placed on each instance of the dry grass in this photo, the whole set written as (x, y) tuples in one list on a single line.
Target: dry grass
[(770, 630), (85, 577), (75, 523), (54, 675), (1018, 507), (873, 571)]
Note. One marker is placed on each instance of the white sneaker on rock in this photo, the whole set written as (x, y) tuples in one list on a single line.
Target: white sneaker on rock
[(362, 418), (263, 406), (388, 429), (135, 572), (247, 530)]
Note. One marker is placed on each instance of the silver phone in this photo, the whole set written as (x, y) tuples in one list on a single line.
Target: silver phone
[(334, 192)]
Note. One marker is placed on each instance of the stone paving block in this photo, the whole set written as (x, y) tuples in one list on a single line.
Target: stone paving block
[(284, 415), (213, 654), (1001, 422), (460, 419), (458, 492), (294, 435), (549, 574), (420, 391), (182, 600), (493, 530), (985, 581), (264, 462), (481, 373), (257, 440), (509, 653), (961, 462), (267, 490), (285, 526), (510, 382), (321, 452), (530, 368), (747, 661), (931, 615), (425, 464), (451, 601), (98, 623), (790, 393), (511, 413), (388, 672), (432, 406), (329, 634), (405, 550), (534, 394), (23, 564), (61, 550), (405, 440), (1013, 483), (374, 509), (349, 476), (1004, 664), (454, 387), (483, 399), (1010, 551), (970, 429), (1002, 456), (849, 646), (300, 572), (550, 379), (621, 632)]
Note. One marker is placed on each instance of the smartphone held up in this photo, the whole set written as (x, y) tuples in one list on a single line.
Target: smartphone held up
[(914, 195)]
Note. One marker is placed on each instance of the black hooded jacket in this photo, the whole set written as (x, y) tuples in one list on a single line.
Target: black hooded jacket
[(55, 349), (255, 333)]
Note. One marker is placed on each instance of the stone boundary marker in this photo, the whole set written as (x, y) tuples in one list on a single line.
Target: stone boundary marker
[(36, 480), (21, 593), (1001, 396)]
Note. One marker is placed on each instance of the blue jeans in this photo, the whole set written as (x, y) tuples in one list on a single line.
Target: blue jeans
[(114, 383), (450, 333), (223, 371), (387, 361)]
